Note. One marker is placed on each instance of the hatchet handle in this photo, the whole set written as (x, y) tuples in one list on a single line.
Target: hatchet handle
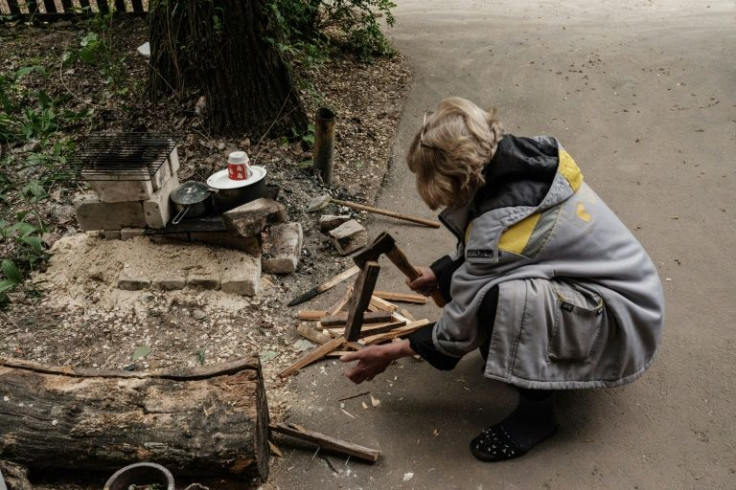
[(399, 259), (386, 212)]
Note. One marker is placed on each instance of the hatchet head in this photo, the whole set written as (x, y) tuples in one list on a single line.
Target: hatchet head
[(382, 244)]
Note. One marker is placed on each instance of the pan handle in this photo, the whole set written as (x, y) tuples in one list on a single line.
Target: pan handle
[(180, 215)]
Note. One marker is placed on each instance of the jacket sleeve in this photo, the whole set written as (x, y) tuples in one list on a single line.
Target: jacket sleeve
[(443, 269), (421, 342)]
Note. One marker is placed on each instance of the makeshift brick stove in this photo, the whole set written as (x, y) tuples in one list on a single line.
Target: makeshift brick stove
[(133, 175)]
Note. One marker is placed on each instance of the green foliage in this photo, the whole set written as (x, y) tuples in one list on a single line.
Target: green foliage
[(309, 26), (28, 248)]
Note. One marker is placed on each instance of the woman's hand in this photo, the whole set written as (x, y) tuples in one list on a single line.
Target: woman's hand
[(426, 283), (375, 359)]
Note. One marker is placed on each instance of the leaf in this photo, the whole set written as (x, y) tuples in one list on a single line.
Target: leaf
[(28, 69), (6, 285), (67, 58), (34, 242), (200, 356), (24, 229), (140, 352), (11, 271)]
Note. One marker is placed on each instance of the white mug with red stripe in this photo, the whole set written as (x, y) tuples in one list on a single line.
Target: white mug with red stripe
[(237, 166)]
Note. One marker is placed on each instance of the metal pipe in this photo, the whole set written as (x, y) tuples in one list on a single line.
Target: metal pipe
[(324, 143)]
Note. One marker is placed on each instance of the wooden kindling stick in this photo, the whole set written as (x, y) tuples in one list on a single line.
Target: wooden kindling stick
[(327, 443)]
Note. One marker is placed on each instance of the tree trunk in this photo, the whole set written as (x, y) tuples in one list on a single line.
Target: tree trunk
[(207, 422), (222, 48)]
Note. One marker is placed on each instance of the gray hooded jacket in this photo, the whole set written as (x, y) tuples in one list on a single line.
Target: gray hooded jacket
[(580, 302)]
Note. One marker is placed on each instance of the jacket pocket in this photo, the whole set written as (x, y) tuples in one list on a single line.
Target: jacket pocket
[(578, 316)]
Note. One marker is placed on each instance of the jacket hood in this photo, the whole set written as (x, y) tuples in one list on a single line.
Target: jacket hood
[(529, 174)]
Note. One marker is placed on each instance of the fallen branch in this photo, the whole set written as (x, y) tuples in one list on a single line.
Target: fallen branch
[(328, 443)]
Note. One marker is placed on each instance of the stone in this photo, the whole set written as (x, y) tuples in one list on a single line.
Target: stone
[(252, 244), (145, 49), (282, 248), (128, 233), (349, 237), (251, 218), (132, 279), (329, 222), (158, 209), (203, 279), (97, 215), (169, 279), (240, 272)]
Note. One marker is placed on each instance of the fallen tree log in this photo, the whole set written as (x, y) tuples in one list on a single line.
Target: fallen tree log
[(210, 421)]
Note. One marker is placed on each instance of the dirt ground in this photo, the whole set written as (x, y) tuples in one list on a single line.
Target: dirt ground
[(73, 313), (641, 93)]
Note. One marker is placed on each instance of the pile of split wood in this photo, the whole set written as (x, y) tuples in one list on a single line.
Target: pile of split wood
[(383, 321)]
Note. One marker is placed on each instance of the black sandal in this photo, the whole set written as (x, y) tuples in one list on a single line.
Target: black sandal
[(495, 444)]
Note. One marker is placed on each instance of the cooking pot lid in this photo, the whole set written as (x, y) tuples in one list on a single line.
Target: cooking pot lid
[(221, 180), (190, 193)]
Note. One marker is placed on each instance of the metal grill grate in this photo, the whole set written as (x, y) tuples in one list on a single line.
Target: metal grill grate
[(120, 156)]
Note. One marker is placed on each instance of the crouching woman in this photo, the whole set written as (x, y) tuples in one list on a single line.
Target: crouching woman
[(546, 281)]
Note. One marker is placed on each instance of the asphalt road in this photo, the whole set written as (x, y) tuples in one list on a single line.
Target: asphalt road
[(642, 94)]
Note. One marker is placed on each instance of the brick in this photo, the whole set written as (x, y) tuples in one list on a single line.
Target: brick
[(167, 238), (96, 215), (349, 237), (113, 191), (117, 189), (251, 218), (133, 279), (158, 209), (329, 222), (169, 280), (162, 176), (241, 272), (282, 248), (225, 239), (173, 162), (110, 234), (203, 279), (128, 233)]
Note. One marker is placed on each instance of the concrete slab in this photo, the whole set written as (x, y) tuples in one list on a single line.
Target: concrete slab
[(640, 94)]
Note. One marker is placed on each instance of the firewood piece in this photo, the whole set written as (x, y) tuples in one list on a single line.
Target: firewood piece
[(354, 345), (338, 353), (367, 330), (398, 332), (311, 315), (313, 355), (328, 443), (325, 286), (309, 332), (103, 420), (401, 297), (337, 307), (370, 317), (364, 286), (382, 304), (405, 313)]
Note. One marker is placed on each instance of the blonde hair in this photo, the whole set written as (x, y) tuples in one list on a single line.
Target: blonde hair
[(449, 153)]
